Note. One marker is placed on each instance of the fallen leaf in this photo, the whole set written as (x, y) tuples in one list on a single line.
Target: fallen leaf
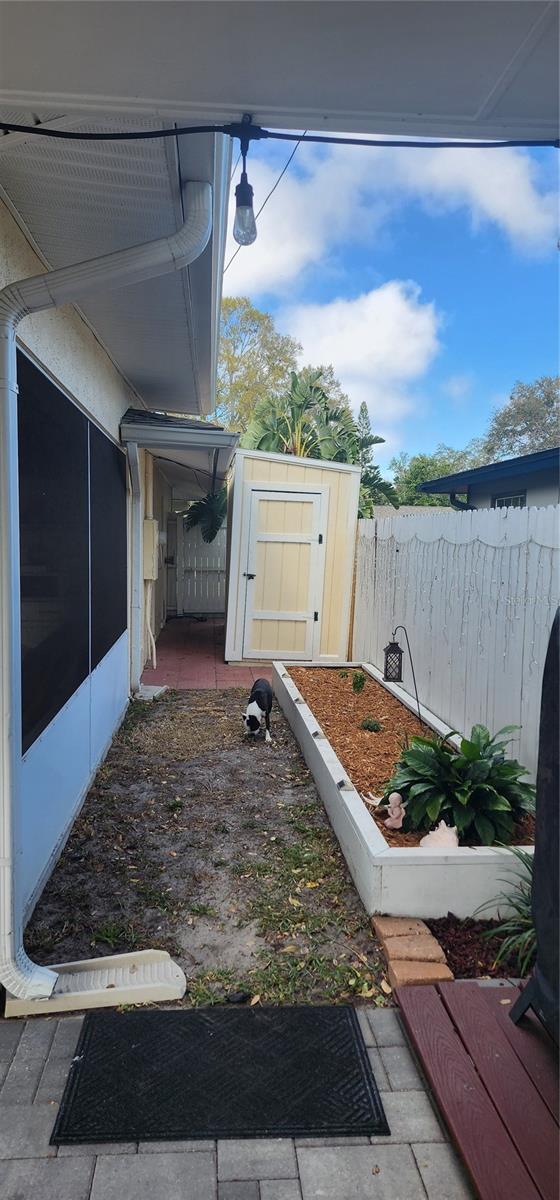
[(294, 903), (311, 885), (376, 1170), (288, 950), (505, 1001), (255, 1000), (386, 987), (366, 992)]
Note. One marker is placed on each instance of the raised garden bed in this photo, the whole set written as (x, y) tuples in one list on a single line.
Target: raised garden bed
[(402, 879), (370, 756)]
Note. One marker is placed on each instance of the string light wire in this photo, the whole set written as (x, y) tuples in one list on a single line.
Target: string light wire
[(246, 129)]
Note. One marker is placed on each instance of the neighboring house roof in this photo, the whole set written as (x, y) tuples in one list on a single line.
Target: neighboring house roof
[(76, 201), (509, 468)]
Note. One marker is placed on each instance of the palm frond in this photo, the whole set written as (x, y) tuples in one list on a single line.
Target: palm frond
[(209, 514)]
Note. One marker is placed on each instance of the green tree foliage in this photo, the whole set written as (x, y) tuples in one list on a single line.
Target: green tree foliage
[(254, 363), (410, 471), (530, 421), (305, 422), (209, 513)]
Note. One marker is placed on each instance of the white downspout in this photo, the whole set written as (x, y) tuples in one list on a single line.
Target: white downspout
[(19, 975), (148, 585), (136, 554)]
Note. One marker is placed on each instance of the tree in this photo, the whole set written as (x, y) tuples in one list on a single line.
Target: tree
[(366, 438), (409, 472), (305, 422), (255, 362), (527, 423), (374, 489)]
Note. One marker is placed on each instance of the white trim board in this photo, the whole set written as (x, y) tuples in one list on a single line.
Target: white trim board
[(400, 880), (324, 464)]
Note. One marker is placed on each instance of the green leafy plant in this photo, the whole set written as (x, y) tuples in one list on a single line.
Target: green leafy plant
[(518, 930), (358, 681), (371, 725), (209, 513), (475, 788), (343, 674)]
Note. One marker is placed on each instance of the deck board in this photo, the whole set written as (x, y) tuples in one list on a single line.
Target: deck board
[(524, 1113), (531, 1043), (496, 1168)]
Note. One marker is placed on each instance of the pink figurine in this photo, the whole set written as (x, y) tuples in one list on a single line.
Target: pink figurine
[(396, 811)]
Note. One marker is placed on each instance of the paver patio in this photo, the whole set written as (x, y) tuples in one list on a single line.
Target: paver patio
[(190, 654), (416, 1162)]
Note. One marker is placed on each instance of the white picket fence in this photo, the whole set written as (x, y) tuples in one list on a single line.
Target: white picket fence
[(477, 592)]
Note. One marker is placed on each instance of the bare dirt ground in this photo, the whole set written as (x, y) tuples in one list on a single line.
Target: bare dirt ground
[(216, 847)]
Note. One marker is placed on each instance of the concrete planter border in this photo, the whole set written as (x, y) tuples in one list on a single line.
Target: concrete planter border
[(403, 881)]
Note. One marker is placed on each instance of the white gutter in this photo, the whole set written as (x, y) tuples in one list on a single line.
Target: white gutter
[(19, 975)]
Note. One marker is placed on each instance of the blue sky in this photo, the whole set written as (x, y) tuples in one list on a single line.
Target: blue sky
[(427, 277)]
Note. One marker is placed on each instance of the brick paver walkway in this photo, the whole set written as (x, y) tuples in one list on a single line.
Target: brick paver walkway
[(416, 1162), (190, 654)]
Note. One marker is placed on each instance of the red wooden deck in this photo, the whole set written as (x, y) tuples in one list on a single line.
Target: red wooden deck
[(496, 1085)]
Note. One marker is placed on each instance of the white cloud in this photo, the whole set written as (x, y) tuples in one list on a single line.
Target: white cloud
[(332, 198), (380, 344), (458, 387)]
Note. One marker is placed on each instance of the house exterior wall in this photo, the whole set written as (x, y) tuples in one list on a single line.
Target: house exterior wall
[(342, 487), (542, 489), (58, 766)]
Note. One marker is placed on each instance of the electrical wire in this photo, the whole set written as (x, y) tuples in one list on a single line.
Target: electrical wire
[(267, 198), (257, 133)]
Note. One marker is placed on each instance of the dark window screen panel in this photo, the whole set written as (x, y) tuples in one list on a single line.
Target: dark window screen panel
[(54, 555), (108, 544)]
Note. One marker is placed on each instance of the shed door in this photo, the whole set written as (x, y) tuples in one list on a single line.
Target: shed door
[(284, 575)]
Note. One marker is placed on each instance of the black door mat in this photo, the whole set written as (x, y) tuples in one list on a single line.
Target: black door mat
[(220, 1073)]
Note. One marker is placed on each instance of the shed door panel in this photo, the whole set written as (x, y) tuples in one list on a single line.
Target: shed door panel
[(286, 561)]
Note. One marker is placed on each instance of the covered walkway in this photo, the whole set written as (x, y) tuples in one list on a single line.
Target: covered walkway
[(190, 654)]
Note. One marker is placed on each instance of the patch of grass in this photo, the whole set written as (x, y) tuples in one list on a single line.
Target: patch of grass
[(175, 806), (358, 681), (155, 898), (202, 910), (114, 934), (371, 725), (256, 870), (343, 674), (209, 987)]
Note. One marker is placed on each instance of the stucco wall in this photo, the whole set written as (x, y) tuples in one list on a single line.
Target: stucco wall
[(62, 342), (57, 769)]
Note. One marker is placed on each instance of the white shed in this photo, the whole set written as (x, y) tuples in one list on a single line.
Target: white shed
[(292, 532)]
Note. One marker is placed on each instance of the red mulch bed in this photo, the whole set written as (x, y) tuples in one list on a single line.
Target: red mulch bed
[(369, 758), (469, 954)]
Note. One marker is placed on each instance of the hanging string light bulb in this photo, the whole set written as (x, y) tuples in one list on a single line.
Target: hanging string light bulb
[(244, 225)]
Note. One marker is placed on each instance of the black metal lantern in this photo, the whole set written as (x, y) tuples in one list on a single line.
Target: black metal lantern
[(393, 663)]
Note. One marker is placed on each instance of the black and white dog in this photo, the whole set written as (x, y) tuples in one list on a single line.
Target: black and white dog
[(259, 706)]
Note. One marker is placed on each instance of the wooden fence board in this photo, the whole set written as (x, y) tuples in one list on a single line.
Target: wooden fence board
[(477, 592)]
